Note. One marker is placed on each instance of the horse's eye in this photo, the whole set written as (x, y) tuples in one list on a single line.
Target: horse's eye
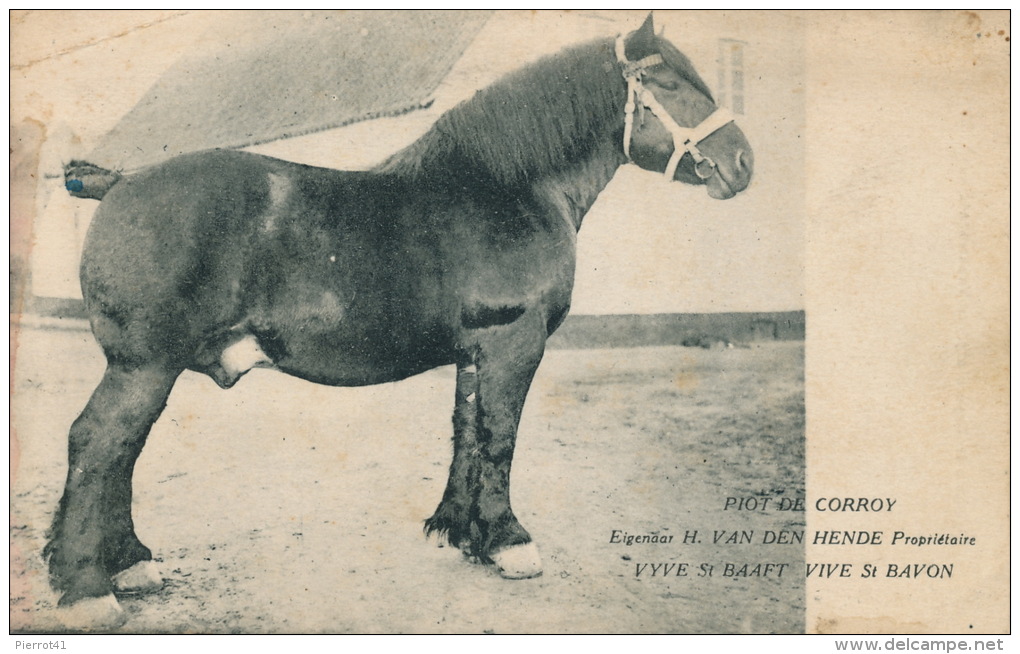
[(668, 84)]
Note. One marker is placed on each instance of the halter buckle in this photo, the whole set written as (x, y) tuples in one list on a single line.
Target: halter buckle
[(635, 69), (705, 168)]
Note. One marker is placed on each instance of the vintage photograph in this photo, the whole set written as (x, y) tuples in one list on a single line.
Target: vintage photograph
[(424, 322)]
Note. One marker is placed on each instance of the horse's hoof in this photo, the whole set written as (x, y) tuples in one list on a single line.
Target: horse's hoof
[(473, 558), (518, 561), (142, 577), (93, 614)]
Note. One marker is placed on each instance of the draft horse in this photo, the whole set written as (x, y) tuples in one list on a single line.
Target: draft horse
[(459, 249)]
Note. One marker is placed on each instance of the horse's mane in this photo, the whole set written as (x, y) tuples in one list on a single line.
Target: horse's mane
[(531, 122), (534, 121)]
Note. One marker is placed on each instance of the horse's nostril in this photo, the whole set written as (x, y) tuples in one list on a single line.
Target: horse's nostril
[(745, 160)]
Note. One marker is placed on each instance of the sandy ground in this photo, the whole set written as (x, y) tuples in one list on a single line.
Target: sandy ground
[(284, 507)]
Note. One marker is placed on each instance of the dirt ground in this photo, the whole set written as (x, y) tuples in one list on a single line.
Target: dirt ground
[(284, 507)]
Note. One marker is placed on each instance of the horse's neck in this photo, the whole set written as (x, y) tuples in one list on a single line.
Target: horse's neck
[(572, 191)]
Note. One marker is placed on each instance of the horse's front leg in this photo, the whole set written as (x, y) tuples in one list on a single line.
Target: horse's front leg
[(93, 550), (492, 383)]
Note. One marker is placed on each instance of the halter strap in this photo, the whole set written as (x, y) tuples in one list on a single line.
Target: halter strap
[(685, 139)]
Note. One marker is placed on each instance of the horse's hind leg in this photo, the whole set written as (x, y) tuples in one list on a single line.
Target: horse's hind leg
[(93, 549), (475, 512)]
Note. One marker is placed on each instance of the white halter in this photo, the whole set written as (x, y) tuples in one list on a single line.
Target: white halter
[(685, 139)]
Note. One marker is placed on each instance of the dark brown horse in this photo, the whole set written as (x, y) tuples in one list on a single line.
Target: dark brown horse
[(458, 250)]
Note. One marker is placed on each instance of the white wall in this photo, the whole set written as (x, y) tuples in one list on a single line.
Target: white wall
[(649, 247), (75, 74)]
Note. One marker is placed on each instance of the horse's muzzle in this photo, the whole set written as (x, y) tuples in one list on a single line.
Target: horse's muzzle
[(731, 177)]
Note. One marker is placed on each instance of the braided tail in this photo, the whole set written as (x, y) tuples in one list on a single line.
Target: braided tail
[(85, 180)]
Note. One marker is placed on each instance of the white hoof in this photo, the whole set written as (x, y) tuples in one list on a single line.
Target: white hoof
[(142, 577), (93, 614), (518, 562)]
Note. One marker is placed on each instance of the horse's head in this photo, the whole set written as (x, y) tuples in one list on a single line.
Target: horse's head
[(672, 123)]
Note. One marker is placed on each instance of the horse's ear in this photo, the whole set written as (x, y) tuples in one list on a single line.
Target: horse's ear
[(648, 25), (642, 42)]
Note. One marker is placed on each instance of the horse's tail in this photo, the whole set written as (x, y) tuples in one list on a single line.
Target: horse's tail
[(85, 180)]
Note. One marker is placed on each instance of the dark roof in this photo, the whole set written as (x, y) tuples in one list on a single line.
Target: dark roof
[(278, 74)]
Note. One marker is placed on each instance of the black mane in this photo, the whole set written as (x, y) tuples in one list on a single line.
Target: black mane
[(529, 123), (533, 121)]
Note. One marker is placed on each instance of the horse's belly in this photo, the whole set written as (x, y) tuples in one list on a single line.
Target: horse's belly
[(353, 374), (335, 359), (314, 359)]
